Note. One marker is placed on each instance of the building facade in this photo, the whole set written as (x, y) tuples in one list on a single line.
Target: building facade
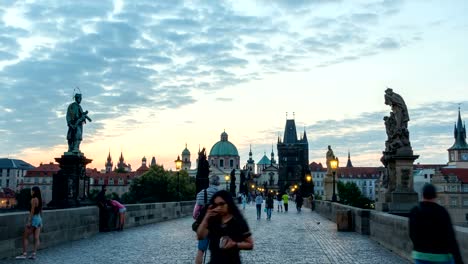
[(42, 177), (12, 172)]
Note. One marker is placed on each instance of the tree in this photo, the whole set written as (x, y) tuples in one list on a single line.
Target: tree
[(159, 185), (350, 194)]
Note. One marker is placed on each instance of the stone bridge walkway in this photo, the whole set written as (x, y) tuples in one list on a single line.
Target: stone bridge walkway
[(287, 238)]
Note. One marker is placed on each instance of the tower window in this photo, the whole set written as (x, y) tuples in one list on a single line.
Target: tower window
[(221, 163), (231, 163)]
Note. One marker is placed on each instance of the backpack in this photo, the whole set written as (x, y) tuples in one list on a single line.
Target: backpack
[(202, 213)]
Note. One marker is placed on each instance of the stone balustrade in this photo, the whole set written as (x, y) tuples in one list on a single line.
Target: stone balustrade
[(391, 231), (77, 223)]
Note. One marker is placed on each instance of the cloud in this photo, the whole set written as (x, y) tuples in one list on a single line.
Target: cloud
[(121, 60), (431, 134)]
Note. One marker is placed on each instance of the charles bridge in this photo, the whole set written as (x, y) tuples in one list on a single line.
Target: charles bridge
[(161, 233)]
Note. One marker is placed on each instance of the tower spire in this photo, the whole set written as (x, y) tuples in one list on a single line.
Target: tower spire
[(349, 164)]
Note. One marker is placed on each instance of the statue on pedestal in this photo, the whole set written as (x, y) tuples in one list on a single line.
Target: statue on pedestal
[(396, 124), (76, 117)]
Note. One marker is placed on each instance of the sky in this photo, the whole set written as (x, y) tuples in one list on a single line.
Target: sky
[(156, 75)]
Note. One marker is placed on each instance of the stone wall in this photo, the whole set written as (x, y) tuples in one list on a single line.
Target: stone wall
[(78, 223), (391, 231)]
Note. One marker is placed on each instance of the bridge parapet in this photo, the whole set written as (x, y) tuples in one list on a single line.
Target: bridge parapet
[(70, 224), (391, 231)]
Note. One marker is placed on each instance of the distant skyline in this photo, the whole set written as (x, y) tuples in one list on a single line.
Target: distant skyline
[(156, 75)]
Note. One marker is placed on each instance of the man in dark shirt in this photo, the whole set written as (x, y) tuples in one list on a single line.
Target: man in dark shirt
[(432, 232), (103, 212)]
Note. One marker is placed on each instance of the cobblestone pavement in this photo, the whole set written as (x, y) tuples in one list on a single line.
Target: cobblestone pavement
[(287, 238)]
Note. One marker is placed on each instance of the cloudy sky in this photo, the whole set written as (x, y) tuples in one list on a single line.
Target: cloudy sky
[(156, 75)]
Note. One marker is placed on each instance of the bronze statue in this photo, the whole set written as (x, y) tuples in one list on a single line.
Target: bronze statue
[(76, 117)]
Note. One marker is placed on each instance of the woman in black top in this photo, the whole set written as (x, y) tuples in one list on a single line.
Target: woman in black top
[(226, 229)]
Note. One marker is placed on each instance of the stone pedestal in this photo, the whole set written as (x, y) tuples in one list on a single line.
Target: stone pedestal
[(70, 186), (399, 196), (328, 187)]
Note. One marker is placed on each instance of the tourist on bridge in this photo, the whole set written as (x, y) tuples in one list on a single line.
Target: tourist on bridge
[(285, 198), (279, 202), (258, 204), (226, 229), (244, 200), (119, 209), (103, 210), (33, 225), (203, 197), (431, 231), (299, 202), (269, 205)]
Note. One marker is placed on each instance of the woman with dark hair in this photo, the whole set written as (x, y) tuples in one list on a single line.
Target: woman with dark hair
[(34, 223), (226, 229)]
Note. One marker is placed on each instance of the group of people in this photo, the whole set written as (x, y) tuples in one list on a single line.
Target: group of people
[(108, 208)]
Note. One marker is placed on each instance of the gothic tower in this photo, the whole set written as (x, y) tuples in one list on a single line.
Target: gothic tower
[(109, 164), (458, 153), (293, 157)]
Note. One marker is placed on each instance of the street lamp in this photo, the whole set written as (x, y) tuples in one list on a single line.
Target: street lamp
[(334, 165), (309, 181), (226, 178), (178, 165)]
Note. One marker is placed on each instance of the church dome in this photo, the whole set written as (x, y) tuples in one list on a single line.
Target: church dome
[(224, 147), (185, 151)]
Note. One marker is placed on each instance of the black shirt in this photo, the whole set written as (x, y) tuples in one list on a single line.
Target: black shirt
[(237, 230), (431, 230)]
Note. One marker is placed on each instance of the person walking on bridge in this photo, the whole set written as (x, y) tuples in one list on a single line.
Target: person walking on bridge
[(258, 204), (226, 229), (285, 198), (201, 205), (431, 231), (269, 205)]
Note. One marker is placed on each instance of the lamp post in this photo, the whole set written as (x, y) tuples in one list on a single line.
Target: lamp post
[(178, 165), (334, 165), (309, 180), (226, 178)]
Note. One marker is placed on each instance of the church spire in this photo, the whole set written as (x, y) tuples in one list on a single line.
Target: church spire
[(304, 138), (459, 134), (349, 164)]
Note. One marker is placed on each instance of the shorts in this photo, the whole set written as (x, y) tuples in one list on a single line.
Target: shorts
[(203, 244), (36, 221), (122, 210)]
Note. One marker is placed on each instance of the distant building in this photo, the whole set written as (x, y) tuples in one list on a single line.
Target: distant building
[(118, 180), (366, 178), (267, 174), (12, 172), (458, 152), (223, 159), (41, 177), (293, 156), (186, 163)]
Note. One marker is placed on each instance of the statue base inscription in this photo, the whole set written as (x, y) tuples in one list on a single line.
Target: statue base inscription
[(70, 186)]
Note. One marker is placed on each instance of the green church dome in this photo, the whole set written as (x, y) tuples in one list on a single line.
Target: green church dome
[(185, 151), (224, 147)]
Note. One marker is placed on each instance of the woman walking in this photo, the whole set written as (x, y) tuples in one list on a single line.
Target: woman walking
[(269, 205), (33, 225), (279, 202), (226, 229)]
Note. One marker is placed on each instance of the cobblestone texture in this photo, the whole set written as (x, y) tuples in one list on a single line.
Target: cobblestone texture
[(287, 238)]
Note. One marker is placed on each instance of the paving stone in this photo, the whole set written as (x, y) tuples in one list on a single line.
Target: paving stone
[(288, 238)]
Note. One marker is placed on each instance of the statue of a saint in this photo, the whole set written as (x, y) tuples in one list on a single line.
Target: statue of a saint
[(329, 157), (399, 108), (76, 117)]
